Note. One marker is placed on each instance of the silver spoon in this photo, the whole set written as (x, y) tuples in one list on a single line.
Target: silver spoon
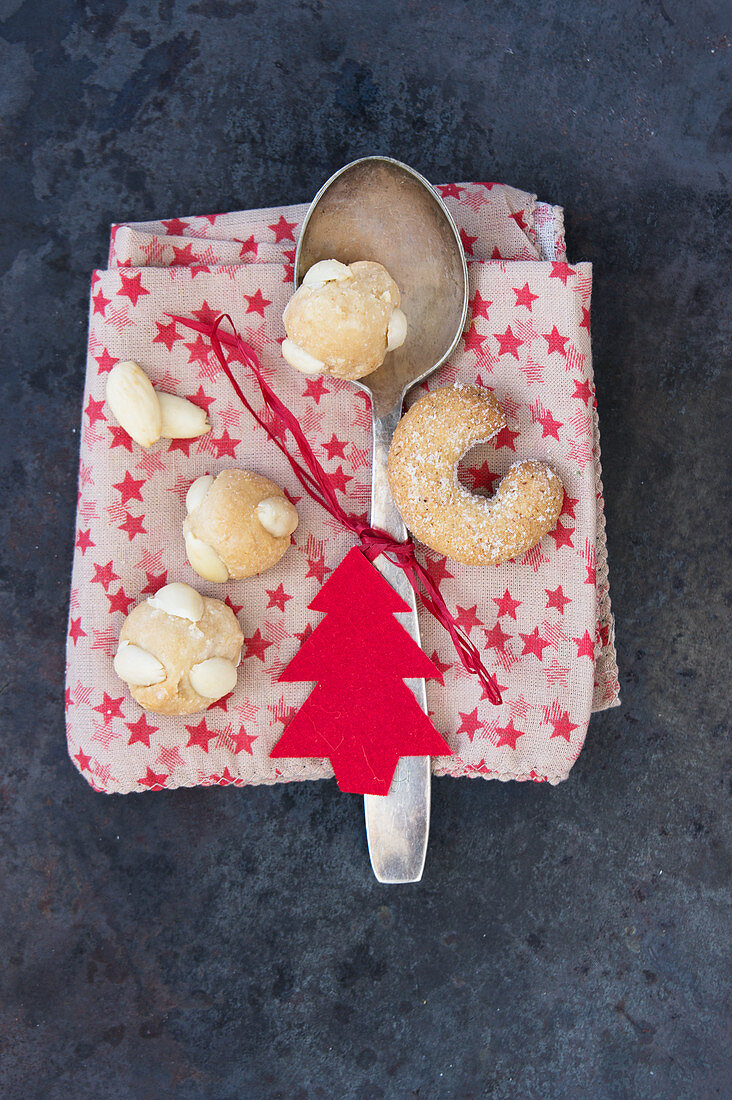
[(379, 209)]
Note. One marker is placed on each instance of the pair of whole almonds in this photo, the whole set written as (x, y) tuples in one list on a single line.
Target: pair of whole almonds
[(148, 415)]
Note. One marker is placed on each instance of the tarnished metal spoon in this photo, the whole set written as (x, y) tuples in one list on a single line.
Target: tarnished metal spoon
[(379, 209)]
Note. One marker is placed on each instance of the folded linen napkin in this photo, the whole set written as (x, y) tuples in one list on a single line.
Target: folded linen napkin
[(543, 621)]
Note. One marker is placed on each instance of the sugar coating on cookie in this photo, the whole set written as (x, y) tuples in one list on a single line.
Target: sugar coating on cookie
[(427, 446), (343, 319), (238, 524), (187, 645)]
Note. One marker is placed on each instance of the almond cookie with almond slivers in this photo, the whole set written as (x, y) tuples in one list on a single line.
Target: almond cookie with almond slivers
[(428, 444), (343, 319)]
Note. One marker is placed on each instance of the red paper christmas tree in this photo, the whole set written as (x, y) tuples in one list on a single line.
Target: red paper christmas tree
[(361, 715)]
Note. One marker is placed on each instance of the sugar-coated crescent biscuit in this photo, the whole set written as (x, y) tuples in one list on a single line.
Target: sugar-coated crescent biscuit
[(427, 446), (238, 524), (179, 651), (343, 319)]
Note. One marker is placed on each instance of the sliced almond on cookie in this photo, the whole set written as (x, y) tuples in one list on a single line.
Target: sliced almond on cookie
[(137, 666), (213, 678)]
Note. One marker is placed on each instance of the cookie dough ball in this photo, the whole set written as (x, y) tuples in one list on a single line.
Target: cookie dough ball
[(179, 651), (343, 319), (427, 446), (238, 524)]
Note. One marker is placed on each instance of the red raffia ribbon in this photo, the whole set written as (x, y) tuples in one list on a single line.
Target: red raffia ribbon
[(316, 483)]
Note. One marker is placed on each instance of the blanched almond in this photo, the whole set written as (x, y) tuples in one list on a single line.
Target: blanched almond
[(197, 491), (181, 418), (213, 678), (277, 516), (326, 271), (396, 333), (205, 560), (300, 359), (180, 600), (137, 666), (134, 403)]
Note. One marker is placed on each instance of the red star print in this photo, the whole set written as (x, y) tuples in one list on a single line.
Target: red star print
[(243, 741), (318, 569), (438, 571), (100, 303), (119, 602), (256, 646), (205, 314), (236, 608), (583, 391), (305, 634), (154, 582), (506, 604), (555, 342), (249, 245), (200, 735), (562, 726), (283, 229), (591, 577), (450, 190), (132, 287), (68, 701), (174, 227), (442, 668), (141, 730), (473, 340), (467, 618), (110, 708), (556, 598), (120, 438), (568, 506), (83, 760), (509, 344), (468, 242), (166, 335), (315, 388), (104, 575), (518, 217), (534, 643), (182, 445), (184, 256), (152, 779), (336, 448), (83, 541), (585, 646), (505, 438), (129, 488), (549, 426), (198, 351), (495, 254), (482, 477), (222, 703), (133, 526), (524, 297), (508, 735), (94, 410), (225, 445), (470, 724), (480, 306), (105, 361), (257, 302), (562, 536), (277, 597), (199, 398), (495, 638), (340, 479), (75, 631), (560, 271), (585, 322)]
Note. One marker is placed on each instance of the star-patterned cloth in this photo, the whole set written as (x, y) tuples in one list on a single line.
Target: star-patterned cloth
[(543, 622)]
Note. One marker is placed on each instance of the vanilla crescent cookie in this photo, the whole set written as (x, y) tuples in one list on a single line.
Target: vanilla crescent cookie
[(179, 651), (427, 446), (343, 319), (238, 524)]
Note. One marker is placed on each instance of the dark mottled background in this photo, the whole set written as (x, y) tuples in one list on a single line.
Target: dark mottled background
[(565, 942)]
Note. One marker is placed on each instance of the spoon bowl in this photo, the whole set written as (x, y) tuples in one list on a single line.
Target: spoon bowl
[(380, 209)]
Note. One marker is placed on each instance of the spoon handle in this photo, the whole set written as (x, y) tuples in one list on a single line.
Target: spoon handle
[(397, 824)]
